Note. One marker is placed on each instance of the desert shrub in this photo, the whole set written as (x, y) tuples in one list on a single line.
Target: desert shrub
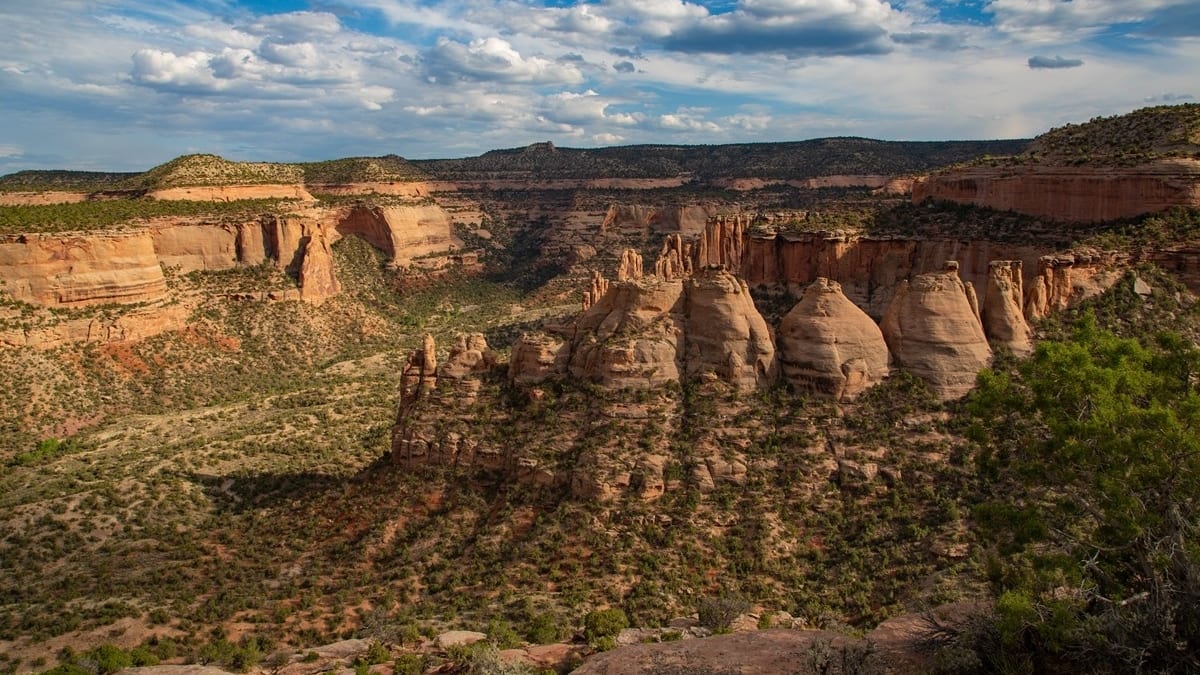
[(500, 633), (717, 614), (603, 623), (109, 659), (543, 629)]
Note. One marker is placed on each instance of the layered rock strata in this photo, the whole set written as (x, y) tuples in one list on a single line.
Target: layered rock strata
[(1069, 193), (829, 346), (933, 333)]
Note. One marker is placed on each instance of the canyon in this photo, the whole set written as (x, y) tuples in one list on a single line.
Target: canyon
[(389, 404)]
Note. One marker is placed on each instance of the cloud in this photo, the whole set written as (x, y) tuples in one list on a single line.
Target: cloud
[(584, 108), (1053, 62), (624, 67), (185, 73), (938, 41), (607, 139), (792, 27), (11, 151), (493, 60), (1169, 98)]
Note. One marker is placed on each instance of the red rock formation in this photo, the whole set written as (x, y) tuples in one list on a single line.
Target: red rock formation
[(675, 259), (932, 332), (722, 243), (1003, 316), (537, 357), (318, 282), (830, 346), (1071, 194), (725, 333), (871, 269), (1070, 277), (79, 270), (599, 288), (631, 266)]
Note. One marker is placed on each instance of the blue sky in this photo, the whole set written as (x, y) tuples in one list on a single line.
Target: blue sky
[(128, 84)]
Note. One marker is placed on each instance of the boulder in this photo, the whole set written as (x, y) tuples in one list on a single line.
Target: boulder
[(933, 333), (830, 346), (458, 638)]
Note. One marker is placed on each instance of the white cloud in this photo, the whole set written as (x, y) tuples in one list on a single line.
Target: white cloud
[(493, 59), (11, 151)]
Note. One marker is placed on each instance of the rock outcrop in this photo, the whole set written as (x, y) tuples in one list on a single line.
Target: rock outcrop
[(1003, 309), (403, 232), (630, 266), (675, 259), (932, 333), (647, 332), (598, 289), (725, 333), (829, 346), (642, 220), (1070, 193), (722, 244), (537, 357), (632, 336), (317, 279), (871, 269), (80, 270), (1068, 278)]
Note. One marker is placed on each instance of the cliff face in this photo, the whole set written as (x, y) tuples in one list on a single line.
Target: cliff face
[(403, 232), (230, 193), (638, 219), (1070, 194), (74, 271), (870, 270)]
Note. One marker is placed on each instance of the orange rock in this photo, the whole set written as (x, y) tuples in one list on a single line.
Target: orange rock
[(829, 345)]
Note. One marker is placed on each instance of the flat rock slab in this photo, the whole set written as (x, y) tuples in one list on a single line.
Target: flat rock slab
[(458, 638)]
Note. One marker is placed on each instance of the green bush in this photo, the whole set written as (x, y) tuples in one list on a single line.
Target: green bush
[(110, 659), (604, 623), (500, 634), (543, 629)]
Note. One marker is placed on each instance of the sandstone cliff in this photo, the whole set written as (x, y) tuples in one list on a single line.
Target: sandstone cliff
[(932, 333), (1069, 277), (403, 232), (79, 270), (830, 346), (1070, 193)]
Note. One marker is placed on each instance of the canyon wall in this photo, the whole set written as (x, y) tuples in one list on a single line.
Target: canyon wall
[(1069, 194), (869, 270), (79, 270)]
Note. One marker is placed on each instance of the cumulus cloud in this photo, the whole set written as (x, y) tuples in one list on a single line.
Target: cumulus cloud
[(493, 59), (1042, 20), (792, 27), (189, 72), (584, 108), (624, 67), (1053, 62)]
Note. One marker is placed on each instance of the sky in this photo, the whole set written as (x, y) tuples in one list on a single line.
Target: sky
[(125, 85)]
